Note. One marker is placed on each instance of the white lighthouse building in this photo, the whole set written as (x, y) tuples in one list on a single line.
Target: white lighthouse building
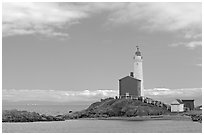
[(138, 72)]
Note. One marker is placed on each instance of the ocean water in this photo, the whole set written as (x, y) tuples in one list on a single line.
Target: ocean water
[(46, 109), (93, 126), (104, 126)]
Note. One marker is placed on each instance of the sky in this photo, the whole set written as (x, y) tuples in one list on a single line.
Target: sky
[(67, 52)]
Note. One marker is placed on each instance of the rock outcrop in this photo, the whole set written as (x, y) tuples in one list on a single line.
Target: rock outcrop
[(24, 116), (118, 107), (197, 117)]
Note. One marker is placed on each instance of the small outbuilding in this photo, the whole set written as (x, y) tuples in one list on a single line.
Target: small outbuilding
[(177, 106), (188, 104), (129, 87)]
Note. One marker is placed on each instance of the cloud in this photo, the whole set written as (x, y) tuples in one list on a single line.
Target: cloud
[(168, 95), (200, 65), (163, 94), (56, 95), (191, 35), (182, 19), (49, 19), (161, 16), (190, 45), (38, 18), (174, 92), (52, 19)]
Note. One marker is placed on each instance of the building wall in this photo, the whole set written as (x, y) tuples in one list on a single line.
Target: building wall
[(130, 85), (177, 108), (189, 104)]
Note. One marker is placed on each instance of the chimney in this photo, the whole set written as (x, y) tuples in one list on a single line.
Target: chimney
[(131, 74)]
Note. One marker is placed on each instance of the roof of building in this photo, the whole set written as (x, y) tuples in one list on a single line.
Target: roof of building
[(138, 53), (187, 100), (180, 101), (129, 77), (177, 102)]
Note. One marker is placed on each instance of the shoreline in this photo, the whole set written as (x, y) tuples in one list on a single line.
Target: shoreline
[(13, 117), (142, 118), (136, 118)]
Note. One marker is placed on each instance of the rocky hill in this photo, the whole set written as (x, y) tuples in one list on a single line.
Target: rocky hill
[(118, 107)]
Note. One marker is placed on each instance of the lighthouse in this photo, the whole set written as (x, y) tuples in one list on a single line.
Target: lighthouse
[(138, 72), (131, 86)]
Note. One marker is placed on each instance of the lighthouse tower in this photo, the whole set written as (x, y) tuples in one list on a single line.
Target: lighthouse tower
[(138, 73)]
